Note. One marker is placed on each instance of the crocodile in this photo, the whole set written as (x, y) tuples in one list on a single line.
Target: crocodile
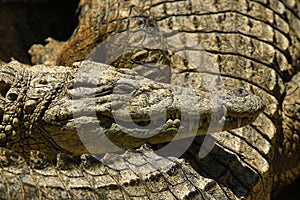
[(132, 175), (40, 104), (38, 122), (255, 45)]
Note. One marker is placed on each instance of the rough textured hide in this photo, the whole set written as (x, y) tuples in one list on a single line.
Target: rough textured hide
[(254, 44)]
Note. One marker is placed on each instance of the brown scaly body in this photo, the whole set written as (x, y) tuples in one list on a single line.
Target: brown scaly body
[(255, 44)]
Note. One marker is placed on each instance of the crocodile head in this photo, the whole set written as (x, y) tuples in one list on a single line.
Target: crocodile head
[(47, 111), (128, 110)]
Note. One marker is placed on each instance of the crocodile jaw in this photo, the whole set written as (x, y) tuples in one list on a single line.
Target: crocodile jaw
[(98, 123)]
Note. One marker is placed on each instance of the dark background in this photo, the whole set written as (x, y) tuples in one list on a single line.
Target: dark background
[(26, 22)]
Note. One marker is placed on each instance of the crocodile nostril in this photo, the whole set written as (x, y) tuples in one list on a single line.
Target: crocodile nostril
[(43, 81), (240, 92), (12, 94)]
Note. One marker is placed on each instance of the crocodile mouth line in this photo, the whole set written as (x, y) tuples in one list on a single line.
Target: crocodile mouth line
[(176, 120)]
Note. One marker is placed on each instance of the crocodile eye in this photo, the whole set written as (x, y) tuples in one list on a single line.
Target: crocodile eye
[(240, 92)]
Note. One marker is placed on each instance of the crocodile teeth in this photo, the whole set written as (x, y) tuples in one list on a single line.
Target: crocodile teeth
[(169, 122), (165, 127), (208, 120), (191, 125), (224, 110), (239, 122), (222, 120), (177, 122), (200, 123)]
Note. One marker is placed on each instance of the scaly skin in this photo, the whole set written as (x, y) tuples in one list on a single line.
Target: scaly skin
[(109, 17), (42, 109), (134, 175), (255, 44)]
